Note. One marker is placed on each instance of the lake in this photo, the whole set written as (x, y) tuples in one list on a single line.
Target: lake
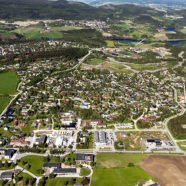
[(130, 41), (170, 29)]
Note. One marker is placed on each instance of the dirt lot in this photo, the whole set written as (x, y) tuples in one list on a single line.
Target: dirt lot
[(133, 140), (169, 170)]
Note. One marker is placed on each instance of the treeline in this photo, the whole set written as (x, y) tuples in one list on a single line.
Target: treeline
[(68, 53)]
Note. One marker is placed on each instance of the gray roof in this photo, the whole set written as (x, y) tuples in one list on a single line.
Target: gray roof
[(100, 137), (8, 175), (64, 170), (85, 157), (52, 165)]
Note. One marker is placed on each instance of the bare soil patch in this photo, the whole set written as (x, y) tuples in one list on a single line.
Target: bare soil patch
[(169, 170)]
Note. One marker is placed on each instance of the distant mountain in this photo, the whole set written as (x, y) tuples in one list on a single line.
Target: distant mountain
[(170, 3), (45, 9)]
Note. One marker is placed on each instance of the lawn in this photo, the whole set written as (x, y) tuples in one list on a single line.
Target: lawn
[(8, 82), (5, 133), (84, 172), (4, 100), (110, 160), (35, 162), (112, 170), (61, 181)]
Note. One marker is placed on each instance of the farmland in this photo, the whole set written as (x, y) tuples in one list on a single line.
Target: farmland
[(169, 170)]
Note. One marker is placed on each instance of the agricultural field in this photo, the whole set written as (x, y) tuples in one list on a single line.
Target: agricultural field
[(132, 30), (133, 140), (168, 170), (119, 169), (38, 31)]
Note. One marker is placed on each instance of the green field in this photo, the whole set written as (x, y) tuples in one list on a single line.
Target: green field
[(110, 44), (110, 160), (113, 170), (4, 101), (37, 32), (129, 176), (95, 61), (8, 82), (40, 35)]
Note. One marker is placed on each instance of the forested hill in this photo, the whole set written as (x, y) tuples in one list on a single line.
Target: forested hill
[(44, 9)]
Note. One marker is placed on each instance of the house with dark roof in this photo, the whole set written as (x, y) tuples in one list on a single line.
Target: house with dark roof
[(41, 140), (9, 153), (7, 175), (85, 157), (65, 171)]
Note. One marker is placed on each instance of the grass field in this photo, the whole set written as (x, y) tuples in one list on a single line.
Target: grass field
[(129, 176), (110, 44), (112, 170), (149, 66), (40, 35), (4, 101), (95, 61), (110, 160), (8, 82), (39, 31)]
